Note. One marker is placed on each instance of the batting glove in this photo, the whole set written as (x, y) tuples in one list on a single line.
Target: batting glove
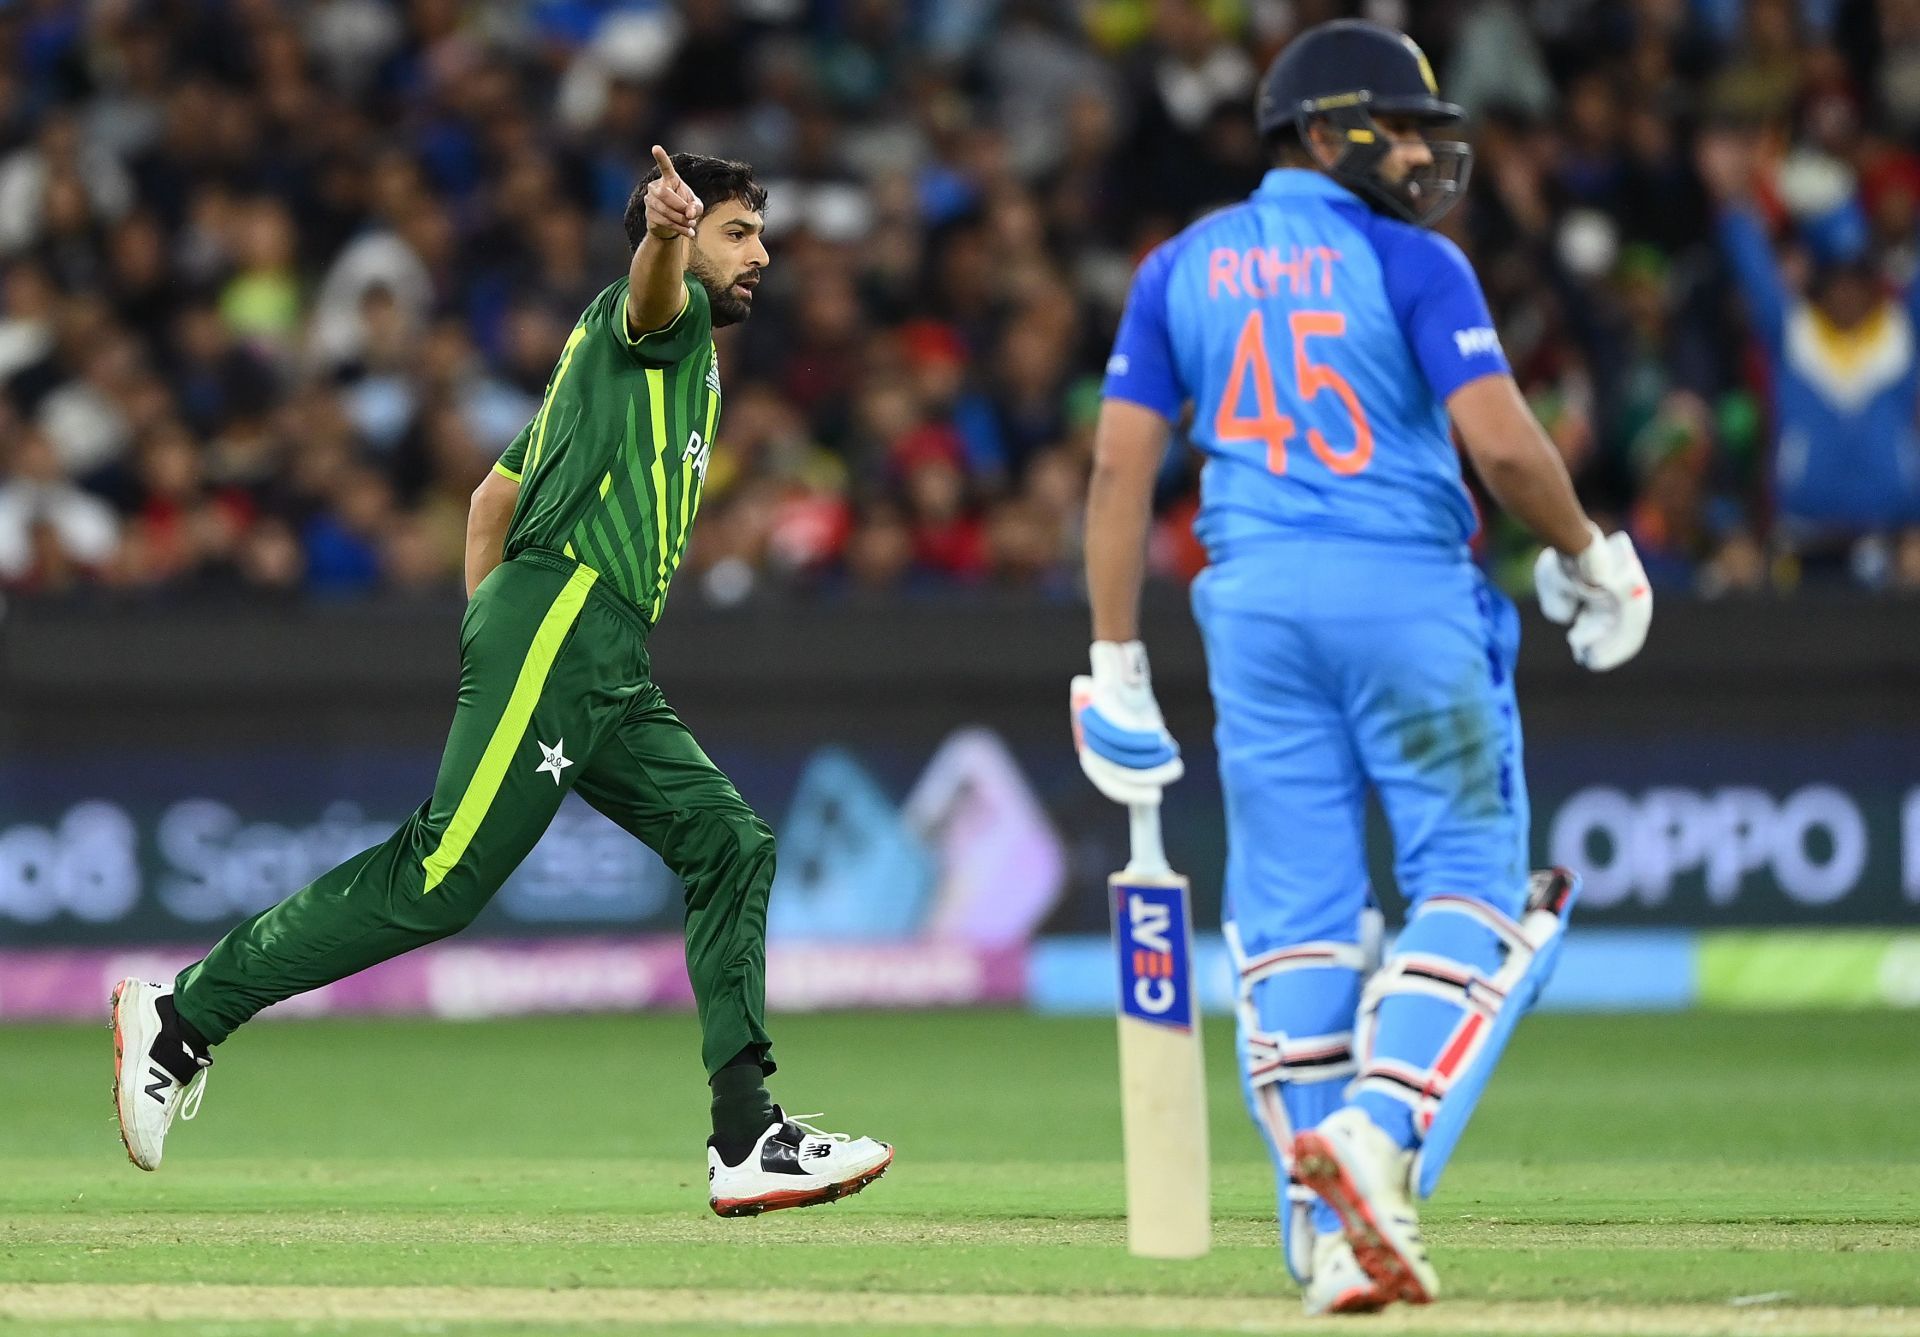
[(1124, 745), (1603, 593)]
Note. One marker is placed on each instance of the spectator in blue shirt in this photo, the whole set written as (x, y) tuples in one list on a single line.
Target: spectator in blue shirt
[(1843, 363)]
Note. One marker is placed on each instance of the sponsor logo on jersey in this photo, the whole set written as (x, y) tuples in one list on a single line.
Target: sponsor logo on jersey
[(697, 453), (1476, 342)]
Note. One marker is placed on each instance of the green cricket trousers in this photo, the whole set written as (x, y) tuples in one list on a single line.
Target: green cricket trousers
[(556, 693)]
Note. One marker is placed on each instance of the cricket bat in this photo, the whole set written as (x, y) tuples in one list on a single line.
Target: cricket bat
[(1163, 1092)]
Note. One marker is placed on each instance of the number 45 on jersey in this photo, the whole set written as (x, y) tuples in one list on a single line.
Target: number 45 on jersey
[(1269, 424)]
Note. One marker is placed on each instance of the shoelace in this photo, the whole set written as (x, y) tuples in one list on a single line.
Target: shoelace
[(188, 1106), (800, 1121)]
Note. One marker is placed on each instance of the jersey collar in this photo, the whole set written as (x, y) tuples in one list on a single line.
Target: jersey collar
[(1291, 183)]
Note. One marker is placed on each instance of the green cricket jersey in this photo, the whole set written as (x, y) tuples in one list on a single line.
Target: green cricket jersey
[(611, 469)]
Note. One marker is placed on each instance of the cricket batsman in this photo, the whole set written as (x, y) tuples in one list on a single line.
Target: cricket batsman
[(572, 541), (1324, 339)]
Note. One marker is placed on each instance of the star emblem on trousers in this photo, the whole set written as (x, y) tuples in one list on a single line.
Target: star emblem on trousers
[(552, 760)]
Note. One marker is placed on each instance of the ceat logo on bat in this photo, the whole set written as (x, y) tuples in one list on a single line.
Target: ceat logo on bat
[(1156, 979)]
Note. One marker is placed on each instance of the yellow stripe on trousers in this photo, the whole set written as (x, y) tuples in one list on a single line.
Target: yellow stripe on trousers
[(492, 771)]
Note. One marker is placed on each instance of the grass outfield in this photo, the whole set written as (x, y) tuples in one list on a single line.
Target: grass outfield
[(1685, 1175)]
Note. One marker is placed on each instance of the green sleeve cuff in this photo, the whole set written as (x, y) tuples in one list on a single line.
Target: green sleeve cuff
[(665, 331), (500, 467), (690, 328)]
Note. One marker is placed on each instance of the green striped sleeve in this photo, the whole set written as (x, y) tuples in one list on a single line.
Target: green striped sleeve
[(513, 461), (674, 341)]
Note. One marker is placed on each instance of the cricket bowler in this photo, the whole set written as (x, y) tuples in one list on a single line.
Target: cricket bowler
[(1324, 339), (572, 541)]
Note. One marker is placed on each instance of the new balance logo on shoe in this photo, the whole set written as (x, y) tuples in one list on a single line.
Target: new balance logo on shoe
[(162, 1079), (795, 1165)]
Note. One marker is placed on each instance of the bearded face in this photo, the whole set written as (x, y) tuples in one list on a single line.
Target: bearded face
[(728, 255)]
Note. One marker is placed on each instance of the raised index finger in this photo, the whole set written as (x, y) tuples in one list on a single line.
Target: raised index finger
[(665, 165)]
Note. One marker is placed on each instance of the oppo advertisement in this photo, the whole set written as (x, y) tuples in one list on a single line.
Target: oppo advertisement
[(972, 840)]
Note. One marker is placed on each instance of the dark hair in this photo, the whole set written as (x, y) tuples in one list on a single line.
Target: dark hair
[(714, 180), (1285, 148)]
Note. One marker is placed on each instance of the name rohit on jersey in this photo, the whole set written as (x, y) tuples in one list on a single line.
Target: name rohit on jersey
[(1259, 270)]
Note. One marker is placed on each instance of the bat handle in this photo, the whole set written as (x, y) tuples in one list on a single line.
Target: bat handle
[(1148, 851)]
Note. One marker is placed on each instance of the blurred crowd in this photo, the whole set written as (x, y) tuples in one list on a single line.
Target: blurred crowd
[(279, 280)]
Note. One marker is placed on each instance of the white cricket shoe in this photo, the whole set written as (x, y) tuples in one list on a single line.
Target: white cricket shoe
[(146, 1093), (793, 1164), (1364, 1176), (1338, 1284)]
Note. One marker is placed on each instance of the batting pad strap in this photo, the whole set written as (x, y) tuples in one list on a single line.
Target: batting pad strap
[(1480, 913), (1443, 1096), (1480, 998), (1423, 1089), (1437, 977), (1309, 1058), (1303, 956)]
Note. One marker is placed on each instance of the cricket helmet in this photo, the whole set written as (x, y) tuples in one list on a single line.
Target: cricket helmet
[(1344, 74)]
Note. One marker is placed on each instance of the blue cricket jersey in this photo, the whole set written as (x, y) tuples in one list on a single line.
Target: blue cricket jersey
[(1318, 342)]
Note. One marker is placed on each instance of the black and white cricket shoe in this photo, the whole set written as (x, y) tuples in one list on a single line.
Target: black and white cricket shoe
[(793, 1164), (156, 1074)]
